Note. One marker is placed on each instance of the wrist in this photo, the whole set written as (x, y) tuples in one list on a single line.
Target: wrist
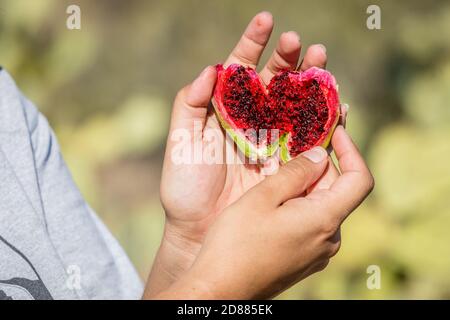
[(186, 288), (178, 250), (182, 237), (201, 282), (175, 256)]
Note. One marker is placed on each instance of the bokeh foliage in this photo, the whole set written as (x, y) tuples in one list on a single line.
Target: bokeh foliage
[(107, 91)]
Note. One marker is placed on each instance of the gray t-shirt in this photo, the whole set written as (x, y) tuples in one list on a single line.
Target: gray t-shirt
[(52, 246)]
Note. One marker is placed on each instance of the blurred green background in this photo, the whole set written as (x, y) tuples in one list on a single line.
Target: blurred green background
[(107, 91)]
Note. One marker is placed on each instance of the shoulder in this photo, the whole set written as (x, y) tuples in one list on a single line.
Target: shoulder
[(17, 114), (20, 119)]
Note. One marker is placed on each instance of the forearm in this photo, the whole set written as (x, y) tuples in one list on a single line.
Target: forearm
[(174, 257), (204, 281), (185, 288)]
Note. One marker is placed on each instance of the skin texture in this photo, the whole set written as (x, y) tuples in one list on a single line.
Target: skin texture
[(194, 197), (301, 232)]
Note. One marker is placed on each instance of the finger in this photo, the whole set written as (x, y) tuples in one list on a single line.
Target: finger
[(327, 179), (343, 114), (315, 56), (343, 111), (356, 181), (291, 180), (191, 103), (331, 173), (270, 166), (285, 56), (253, 41)]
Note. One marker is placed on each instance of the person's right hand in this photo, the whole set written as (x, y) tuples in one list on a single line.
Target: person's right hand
[(194, 194), (273, 237)]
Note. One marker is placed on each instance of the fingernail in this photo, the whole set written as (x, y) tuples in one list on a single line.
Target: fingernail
[(293, 33), (263, 15), (323, 47), (345, 106), (316, 154), (199, 80), (202, 74), (197, 88)]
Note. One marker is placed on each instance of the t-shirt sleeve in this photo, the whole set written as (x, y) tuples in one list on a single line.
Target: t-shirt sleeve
[(81, 240)]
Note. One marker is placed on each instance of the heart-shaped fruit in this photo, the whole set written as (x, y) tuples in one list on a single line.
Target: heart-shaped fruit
[(295, 112)]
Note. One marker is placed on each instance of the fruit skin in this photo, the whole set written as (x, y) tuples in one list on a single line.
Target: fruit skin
[(250, 150), (327, 85)]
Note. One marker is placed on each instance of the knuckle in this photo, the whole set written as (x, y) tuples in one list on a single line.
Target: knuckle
[(370, 182), (254, 199), (367, 181), (297, 168), (271, 67), (334, 249), (283, 185), (322, 265), (241, 56), (329, 226), (266, 188), (179, 97)]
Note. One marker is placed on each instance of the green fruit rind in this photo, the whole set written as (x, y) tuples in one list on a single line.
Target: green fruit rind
[(284, 141), (284, 150), (283, 144), (249, 149)]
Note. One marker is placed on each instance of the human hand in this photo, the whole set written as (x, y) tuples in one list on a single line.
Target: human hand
[(193, 194), (272, 237)]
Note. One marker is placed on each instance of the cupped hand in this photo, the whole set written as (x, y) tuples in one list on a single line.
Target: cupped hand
[(193, 192), (261, 245)]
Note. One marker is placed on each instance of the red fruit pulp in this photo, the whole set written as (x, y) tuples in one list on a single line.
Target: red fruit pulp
[(246, 101), (304, 105)]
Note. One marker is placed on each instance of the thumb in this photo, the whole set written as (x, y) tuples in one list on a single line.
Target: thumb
[(291, 180), (191, 102)]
